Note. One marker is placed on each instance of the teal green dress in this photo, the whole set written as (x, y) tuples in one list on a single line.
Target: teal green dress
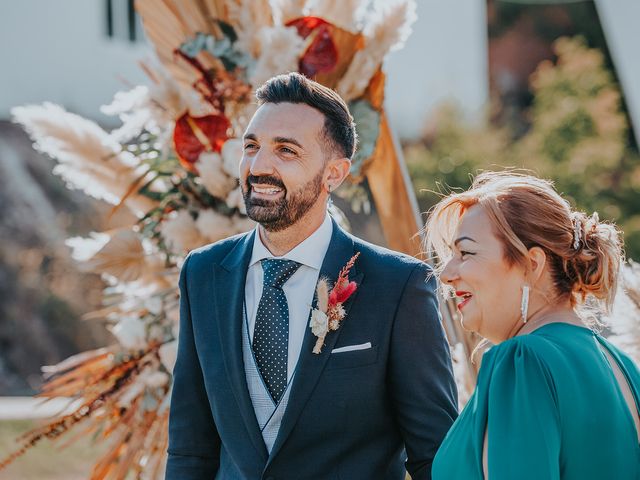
[(552, 409)]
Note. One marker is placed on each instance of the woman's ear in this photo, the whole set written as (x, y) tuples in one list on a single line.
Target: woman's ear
[(537, 262)]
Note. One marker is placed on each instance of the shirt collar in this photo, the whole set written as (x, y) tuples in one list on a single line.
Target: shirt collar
[(309, 252)]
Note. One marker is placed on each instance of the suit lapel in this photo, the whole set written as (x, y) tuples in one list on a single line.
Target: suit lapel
[(310, 365), (230, 282)]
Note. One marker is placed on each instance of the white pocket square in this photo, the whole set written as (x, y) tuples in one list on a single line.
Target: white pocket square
[(351, 348)]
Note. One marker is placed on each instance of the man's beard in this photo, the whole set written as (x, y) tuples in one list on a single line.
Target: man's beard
[(277, 215)]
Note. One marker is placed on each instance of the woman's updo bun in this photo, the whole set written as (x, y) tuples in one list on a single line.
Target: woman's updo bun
[(594, 267)]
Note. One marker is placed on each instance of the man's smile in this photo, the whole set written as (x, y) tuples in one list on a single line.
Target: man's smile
[(266, 191)]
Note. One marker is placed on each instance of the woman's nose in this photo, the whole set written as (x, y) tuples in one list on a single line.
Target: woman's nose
[(449, 273)]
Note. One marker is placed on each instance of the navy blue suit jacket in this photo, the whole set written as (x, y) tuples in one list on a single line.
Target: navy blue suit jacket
[(351, 415)]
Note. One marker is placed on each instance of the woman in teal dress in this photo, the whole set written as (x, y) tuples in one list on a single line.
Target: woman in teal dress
[(554, 400)]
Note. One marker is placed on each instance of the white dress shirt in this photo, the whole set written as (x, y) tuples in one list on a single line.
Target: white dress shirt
[(299, 289)]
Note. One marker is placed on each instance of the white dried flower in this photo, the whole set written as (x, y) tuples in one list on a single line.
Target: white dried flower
[(130, 332), (235, 199), (247, 18), (168, 353), (180, 232), (156, 380), (280, 51), (173, 315), (243, 224), (153, 304), (212, 175), (214, 226), (319, 323), (231, 156)]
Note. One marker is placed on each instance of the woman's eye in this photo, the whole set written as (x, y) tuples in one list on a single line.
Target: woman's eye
[(464, 253)]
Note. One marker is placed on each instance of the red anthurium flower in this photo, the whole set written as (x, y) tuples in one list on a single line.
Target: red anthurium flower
[(322, 54), (194, 135)]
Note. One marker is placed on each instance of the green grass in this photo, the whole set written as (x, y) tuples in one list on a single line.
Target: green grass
[(47, 461)]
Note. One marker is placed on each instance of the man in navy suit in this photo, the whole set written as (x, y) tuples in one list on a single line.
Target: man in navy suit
[(251, 400)]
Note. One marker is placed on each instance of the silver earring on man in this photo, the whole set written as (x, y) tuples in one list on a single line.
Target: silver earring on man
[(524, 303)]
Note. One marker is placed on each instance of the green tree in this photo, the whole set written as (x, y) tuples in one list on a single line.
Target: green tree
[(578, 137)]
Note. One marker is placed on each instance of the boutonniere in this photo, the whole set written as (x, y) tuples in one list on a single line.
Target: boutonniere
[(329, 313)]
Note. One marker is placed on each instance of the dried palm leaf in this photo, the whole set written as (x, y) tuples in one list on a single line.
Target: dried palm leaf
[(122, 257)]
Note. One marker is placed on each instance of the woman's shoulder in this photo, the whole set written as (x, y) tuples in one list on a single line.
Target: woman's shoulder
[(531, 356), (519, 368), (522, 347), (547, 344)]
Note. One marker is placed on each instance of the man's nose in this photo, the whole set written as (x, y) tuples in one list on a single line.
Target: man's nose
[(261, 164)]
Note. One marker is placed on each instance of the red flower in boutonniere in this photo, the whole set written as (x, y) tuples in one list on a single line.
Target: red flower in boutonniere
[(330, 312)]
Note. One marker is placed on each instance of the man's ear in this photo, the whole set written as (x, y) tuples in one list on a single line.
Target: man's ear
[(337, 171)]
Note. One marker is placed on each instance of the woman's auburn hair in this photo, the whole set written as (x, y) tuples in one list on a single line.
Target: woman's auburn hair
[(526, 211)]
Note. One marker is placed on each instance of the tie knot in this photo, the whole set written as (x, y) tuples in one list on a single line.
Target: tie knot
[(277, 272)]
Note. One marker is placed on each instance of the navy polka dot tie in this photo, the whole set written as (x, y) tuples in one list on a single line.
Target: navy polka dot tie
[(271, 333)]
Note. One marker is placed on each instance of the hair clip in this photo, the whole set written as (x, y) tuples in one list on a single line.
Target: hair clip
[(577, 233)]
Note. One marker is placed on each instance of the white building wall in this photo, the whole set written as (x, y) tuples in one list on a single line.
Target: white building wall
[(59, 51), (444, 59)]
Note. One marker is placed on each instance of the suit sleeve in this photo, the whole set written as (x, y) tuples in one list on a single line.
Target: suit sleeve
[(194, 443), (423, 389)]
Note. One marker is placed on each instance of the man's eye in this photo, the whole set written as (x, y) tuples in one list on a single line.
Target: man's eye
[(250, 146), (287, 150)]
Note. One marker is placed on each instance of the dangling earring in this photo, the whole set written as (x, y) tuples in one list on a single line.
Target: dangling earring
[(524, 303)]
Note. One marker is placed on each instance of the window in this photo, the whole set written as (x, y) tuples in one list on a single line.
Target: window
[(122, 21)]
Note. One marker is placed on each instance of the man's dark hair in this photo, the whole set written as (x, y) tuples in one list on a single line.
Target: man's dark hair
[(339, 130)]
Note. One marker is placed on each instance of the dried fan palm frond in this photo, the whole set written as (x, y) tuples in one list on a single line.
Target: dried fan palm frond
[(79, 360), (387, 29), (88, 157), (169, 23), (346, 14), (83, 248), (122, 257), (103, 381)]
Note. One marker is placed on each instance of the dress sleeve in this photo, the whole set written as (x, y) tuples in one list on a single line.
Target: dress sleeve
[(523, 425)]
